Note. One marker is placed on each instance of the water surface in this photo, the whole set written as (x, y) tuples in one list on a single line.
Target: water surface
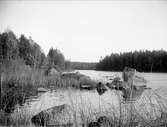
[(154, 80)]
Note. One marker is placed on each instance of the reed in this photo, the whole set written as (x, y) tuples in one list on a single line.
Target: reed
[(20, 83), (143, 113), (137, 114)]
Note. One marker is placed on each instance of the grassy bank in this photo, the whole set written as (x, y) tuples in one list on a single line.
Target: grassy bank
[(19, 82), (138, 114)]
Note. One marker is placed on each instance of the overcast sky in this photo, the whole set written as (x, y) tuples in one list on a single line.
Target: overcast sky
[(86, 30)]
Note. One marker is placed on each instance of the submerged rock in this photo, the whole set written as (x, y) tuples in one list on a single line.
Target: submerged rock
[(104, 121), (55, 116), (87, 83), (86, 87), (94, 124), (42, 89), (101, 88)]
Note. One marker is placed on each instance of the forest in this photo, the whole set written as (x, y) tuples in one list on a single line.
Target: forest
[(143, 61), (29, 52), (83, 65)]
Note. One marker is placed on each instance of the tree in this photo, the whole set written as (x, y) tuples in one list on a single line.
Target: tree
[(55, 57), (8, 45), (154, 61), (31, 52)]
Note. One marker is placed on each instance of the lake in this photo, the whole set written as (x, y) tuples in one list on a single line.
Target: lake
[(154, 80), (90, 102)]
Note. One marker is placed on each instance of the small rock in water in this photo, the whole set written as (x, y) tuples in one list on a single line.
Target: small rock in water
[(101, 88), (94, 124)]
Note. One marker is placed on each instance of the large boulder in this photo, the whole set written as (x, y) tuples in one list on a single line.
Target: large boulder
[(79, 80), (132, 77), (134, 84), (55, 116), (128, 74), (87, 83)]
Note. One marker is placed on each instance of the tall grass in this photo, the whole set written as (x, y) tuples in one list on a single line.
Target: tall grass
[(140, 113), (21, 82)]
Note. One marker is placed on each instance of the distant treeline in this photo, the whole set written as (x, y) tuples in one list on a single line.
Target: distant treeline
[(26, 50), (147, 61), (83, 65)]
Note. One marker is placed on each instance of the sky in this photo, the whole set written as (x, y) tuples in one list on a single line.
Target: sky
[(88, 30)]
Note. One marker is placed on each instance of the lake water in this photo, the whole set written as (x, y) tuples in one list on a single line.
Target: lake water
[(90, 101), (154, 80)]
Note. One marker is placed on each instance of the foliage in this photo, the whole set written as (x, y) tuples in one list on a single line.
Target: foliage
[(26, 49), (67, 65), (55, 57), (20, 81), (8, 45), (30, 52), (148, 61), (22, 48)]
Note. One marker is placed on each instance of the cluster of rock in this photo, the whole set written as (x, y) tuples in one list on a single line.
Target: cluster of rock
[(63, 115), (84, 82), (132, 85)]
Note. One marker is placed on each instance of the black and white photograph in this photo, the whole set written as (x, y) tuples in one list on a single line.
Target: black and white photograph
[(83, 63)]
